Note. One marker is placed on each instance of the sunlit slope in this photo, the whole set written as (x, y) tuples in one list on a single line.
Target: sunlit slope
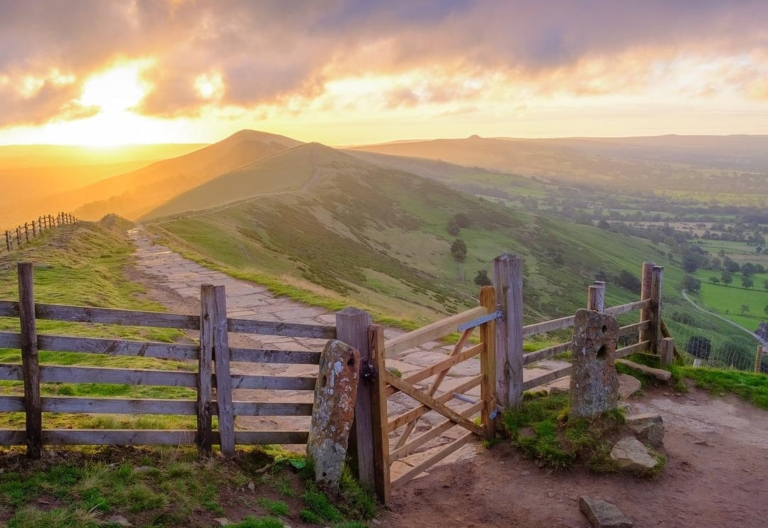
[(138, 192), (376, 237), (287, 171)]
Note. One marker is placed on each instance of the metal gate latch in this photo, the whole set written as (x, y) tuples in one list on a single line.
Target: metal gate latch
[(368, 372)]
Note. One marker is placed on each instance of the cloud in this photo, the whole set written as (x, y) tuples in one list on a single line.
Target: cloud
[(270, 52)]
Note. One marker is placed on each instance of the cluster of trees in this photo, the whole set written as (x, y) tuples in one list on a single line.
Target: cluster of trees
[(457, 222)]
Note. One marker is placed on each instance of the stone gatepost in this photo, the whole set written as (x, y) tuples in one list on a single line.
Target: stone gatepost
[(333, 412), (594, 381)]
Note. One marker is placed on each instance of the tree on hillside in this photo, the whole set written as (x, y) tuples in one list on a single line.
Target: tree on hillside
[(731, 265), (459, 250), (462, 220), (744, 309), (748, 269), (453, 228), (765, 285), (714, 280), (628, 281), (482, 278), (766, 309), (691, 284), (747, 282), (727, 277)]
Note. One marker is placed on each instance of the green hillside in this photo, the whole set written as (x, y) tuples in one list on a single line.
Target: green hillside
[(287, 171), (376, 237)]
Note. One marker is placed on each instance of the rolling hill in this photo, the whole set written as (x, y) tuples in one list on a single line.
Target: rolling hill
[(135, 193), (676, 164), (334, 228)]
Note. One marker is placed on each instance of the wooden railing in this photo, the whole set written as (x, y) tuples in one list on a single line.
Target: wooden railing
[(214, 328), (23, 233)]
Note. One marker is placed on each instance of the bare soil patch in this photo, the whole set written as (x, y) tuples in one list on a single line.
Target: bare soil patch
[(716, 476)]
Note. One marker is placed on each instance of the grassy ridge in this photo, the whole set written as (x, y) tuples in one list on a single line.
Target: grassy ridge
[(377, 238), (84, 264)]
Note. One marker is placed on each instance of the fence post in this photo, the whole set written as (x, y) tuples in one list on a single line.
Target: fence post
[(655, 335), (8, 240), (596, 297), (205, 371), (645, 293), (223, 378), (667, 351), (379, 415), (759, 358), (488, 362), (34, 229), (18, 237), (30, 361), (508, 281), (352, 328)]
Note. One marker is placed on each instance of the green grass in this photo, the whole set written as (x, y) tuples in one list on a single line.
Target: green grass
[(157, 487), (749, 386), (85, 264), (542, 429), (728, 300)]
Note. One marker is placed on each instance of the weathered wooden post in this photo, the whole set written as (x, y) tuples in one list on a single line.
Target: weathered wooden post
[(18, 237), (759, 358), (488, 363), (645, 293), (223, 377), (26, 231), (30, 362), (379, 414), (204, 438), (34, 229), (667, 351), (596, 297), (352, 328), (8, 240), (655, 335), (508, 281)]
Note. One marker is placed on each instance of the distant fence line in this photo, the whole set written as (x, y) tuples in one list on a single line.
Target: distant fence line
[(23, 233)]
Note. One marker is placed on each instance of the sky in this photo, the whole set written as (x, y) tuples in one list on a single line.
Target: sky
[(343, 72)]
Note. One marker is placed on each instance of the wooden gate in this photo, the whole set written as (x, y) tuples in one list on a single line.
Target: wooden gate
[(393, 435)]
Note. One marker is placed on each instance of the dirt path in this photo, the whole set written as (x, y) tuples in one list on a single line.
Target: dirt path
[(717, 476), (175, 282), (717, 447)]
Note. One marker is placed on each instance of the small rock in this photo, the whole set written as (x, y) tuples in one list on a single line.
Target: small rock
[(647, 427), (603, 514), (525, 473), (251, 486), (223, 521), (631, 455), (119, 519), (628, 386), (143, 469), (551, 494)]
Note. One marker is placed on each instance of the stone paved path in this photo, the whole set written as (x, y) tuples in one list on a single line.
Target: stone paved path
[(251, 301)]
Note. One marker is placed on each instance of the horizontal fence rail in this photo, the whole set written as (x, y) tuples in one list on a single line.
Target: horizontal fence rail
[(213, 387)]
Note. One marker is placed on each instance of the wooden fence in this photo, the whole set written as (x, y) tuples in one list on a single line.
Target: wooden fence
[(499, 319), (23, 233), (213, 356)]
